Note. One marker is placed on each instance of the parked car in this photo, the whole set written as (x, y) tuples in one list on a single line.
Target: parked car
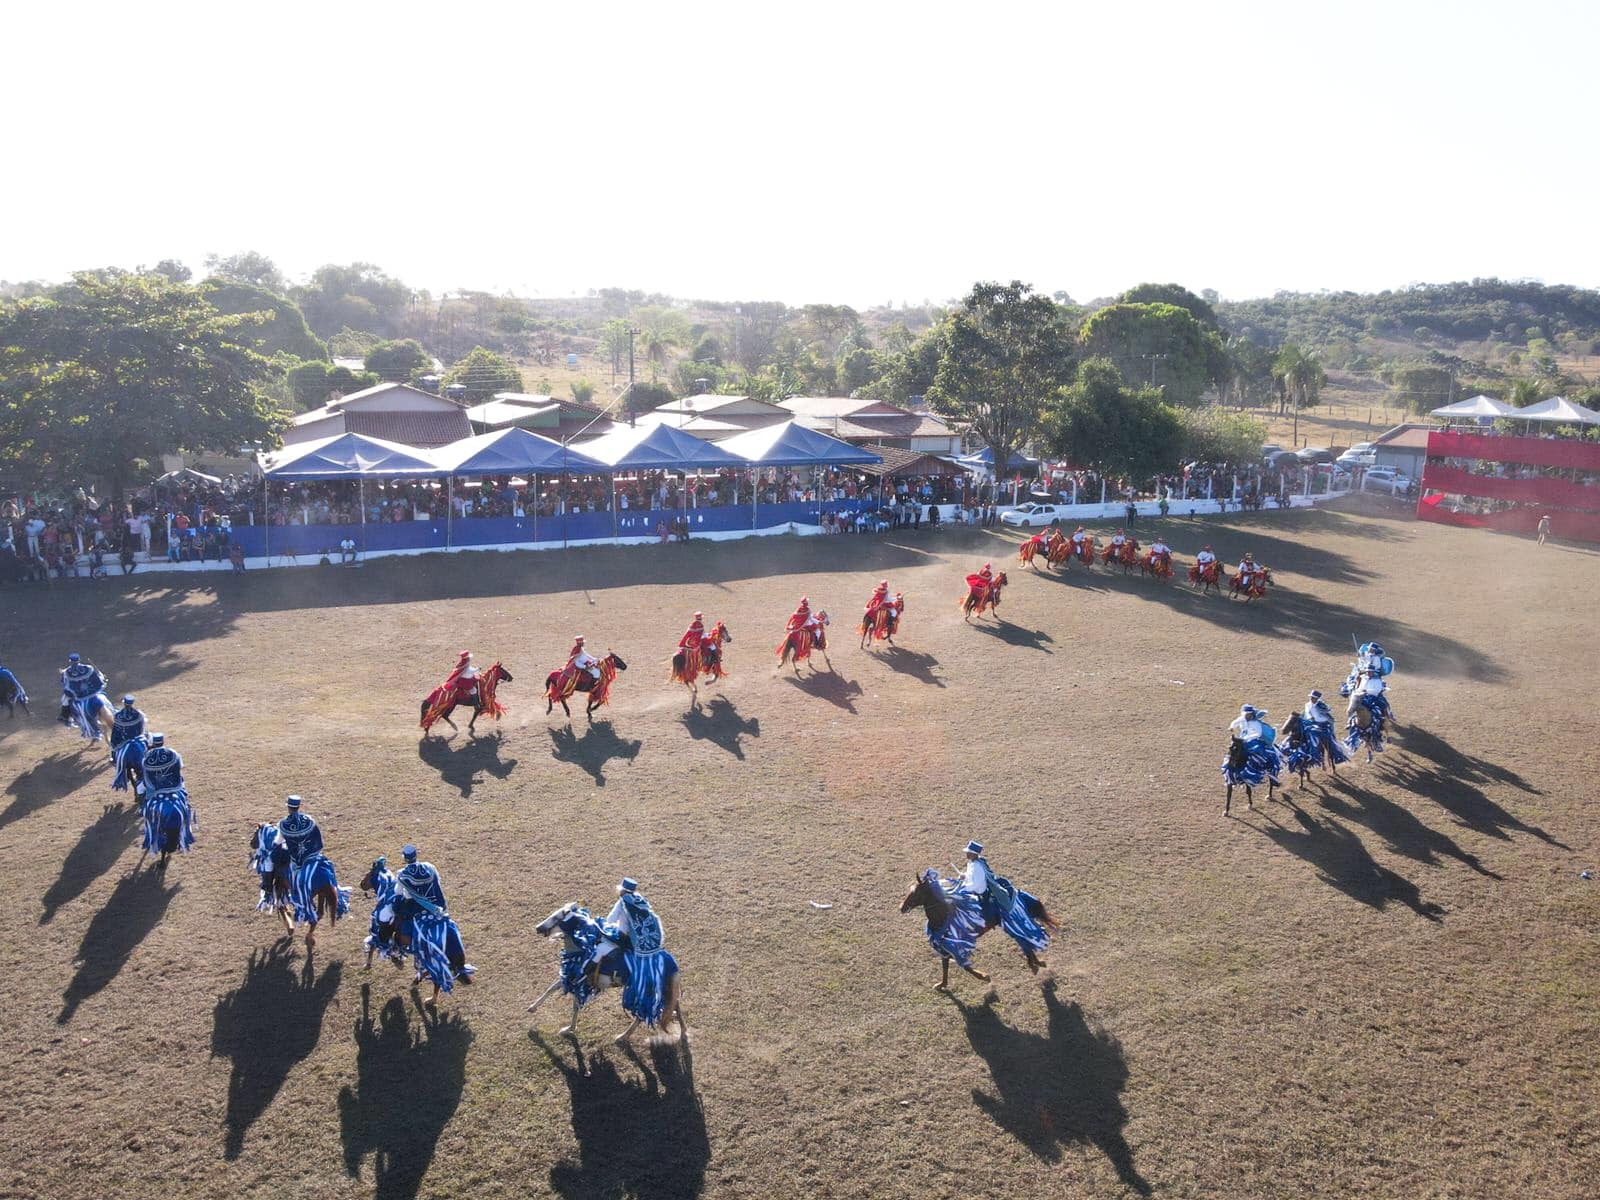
[(1314, 454), (1032, 513), (1282, 460), (1362, 454), (1385, 479), (1269, 450)]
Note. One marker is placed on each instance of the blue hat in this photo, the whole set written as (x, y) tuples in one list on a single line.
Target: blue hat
[(974, 847), (158, 739), (72, 658), (379, 863), (1316, 695), (1247, 710), (127, 699), (293, 801), (628, 885), (408, 852)]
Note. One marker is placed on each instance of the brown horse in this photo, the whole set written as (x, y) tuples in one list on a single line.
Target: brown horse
[(1084, 551), (560, 685), (1260, 581), (1208, 578), (440, 704), (1058, 551), (955, 923), (982, 596), (798, 644), (1159, 568), (883, 622), (1125, 555), (706, 659)]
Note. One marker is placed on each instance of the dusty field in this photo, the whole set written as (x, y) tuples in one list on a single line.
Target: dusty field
[(1385, 986)]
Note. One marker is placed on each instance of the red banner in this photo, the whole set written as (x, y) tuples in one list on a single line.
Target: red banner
[(1538, 452), (1574, 526), (1538, 490)]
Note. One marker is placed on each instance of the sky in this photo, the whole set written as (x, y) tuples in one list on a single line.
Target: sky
[(865, 153)]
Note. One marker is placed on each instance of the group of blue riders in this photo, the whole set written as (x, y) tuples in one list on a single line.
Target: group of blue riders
[(1310, 738)]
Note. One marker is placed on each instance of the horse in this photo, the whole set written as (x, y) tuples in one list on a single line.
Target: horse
[(1058, 551), (404, 926), (798, 643), (1300, 752), (1242, 767), (1083, 550), (315, 894), (13, 697), (580, 934), (1364, 724), (955, 922), (1046, 541), (440, 702), (688, 665), (1208, 578), (1260, 580), (1126, 555), (883, 622), (1157, 568), (128, 758), (269, 858), (560, 685), (169, 825), (981, 596), (94, 717)]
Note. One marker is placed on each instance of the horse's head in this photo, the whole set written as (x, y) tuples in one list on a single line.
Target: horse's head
[(555, 921), (924, 890), (497, 669), (369, 881), (823, 618), (1000, 580), (615, 660), (720, 633), (1237, 754)]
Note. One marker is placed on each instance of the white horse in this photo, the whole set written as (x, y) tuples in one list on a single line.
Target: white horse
[(580, 932)]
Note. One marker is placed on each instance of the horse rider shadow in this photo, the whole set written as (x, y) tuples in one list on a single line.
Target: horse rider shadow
[(266, 1025), (597, 745), (718, 722), (911, 663), (639, 1134), (1057, 1088), (47, 781), (408, 1085), (96, 852), (1016, 635), (134, 908), (827, 685), (463, 766)]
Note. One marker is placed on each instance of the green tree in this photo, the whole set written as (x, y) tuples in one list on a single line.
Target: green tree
[(1525, 391), (173, 270), (314, 383), (105, 374), (1219, 435), (398, 361), (280, 327), (659, 331), (1003, 356), (1420, 387), (1300, 376), (1157, 343), (582, 391), (483, 373), (1098, 422), (614, 338), (359, 295), (249, 267), (1172, 293)]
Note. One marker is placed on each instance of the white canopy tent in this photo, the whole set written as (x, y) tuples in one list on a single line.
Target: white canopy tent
[(1477, 407), (1557, 410)]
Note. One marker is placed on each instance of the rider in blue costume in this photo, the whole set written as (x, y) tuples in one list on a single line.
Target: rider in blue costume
[(128, 746), (435, 937), (10, 683), (383, 884), (309, 868), (1001, 904), (79, 681), (633, 927), (166, 800)]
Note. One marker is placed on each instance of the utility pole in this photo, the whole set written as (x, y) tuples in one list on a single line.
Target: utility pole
[(1154, 358), (628, 395)]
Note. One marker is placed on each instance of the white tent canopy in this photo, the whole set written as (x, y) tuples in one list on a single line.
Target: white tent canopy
[(1478, 406), (1557, 410)]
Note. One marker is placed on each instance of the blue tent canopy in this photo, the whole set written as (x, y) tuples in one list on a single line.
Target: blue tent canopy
[(791, 445), (985, 458), (656, 448), (514, 451), (349, 456)]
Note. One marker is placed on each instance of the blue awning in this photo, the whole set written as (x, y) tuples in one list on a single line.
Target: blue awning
[(656, 448), (348, 456), (792, 445), (514, 451), (985, 457)]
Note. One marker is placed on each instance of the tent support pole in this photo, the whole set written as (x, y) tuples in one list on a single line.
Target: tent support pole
[(449, 511), (361, 503)]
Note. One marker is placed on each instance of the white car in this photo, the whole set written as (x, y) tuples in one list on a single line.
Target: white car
[(1385, 479), (1362, 454), (1032, 513)]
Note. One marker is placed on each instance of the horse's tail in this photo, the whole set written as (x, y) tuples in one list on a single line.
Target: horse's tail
[(1035, 908)]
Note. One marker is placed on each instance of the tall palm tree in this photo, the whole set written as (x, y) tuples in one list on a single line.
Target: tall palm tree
[(1524, 392)]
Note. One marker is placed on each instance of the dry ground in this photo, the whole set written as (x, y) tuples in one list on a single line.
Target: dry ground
[(1386, 985)]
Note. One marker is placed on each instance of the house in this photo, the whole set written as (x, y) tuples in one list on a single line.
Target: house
[(862, 421), (1405, 448), (544, 415), (718, 414), (393, 412)]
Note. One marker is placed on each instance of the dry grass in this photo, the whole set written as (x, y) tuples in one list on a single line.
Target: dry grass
[(1384, 986)]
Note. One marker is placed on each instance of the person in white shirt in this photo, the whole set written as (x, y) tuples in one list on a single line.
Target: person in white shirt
[(581, 660), (1160, 549), (1119, 538), (1317, 710), (1247, 726), (1205, 558), (1370, 658)]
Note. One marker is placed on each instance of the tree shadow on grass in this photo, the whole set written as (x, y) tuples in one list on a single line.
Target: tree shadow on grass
[(47, 781), (462, 765), (911, 663), (1402, 832), (593, 749), (640, 1132), (1016, 635), (830, 686), (408, 1086), (134, 908), (96, 852), (1055, 1089), (266, 1025), (1343, 862), (719, 722)]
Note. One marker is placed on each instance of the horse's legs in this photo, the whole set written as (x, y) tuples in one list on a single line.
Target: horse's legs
[(1227, 802), (547, 992), (311, 931), (626, 1033), (675, 1006), (976, 974), (1034, 961), (472, 724), (944, 982), (571, 1027)]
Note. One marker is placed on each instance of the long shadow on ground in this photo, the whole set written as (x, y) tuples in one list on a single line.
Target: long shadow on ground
[(136, 906), (719, 722), (1056, 1089), (1016, 635), (1402, 831), (830, 686), (47, 781), (408, 1085), (596, 746), (97, 851), (1343, 862), (266, 1025), (462, 764), (912, 663), (640, 1134)]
